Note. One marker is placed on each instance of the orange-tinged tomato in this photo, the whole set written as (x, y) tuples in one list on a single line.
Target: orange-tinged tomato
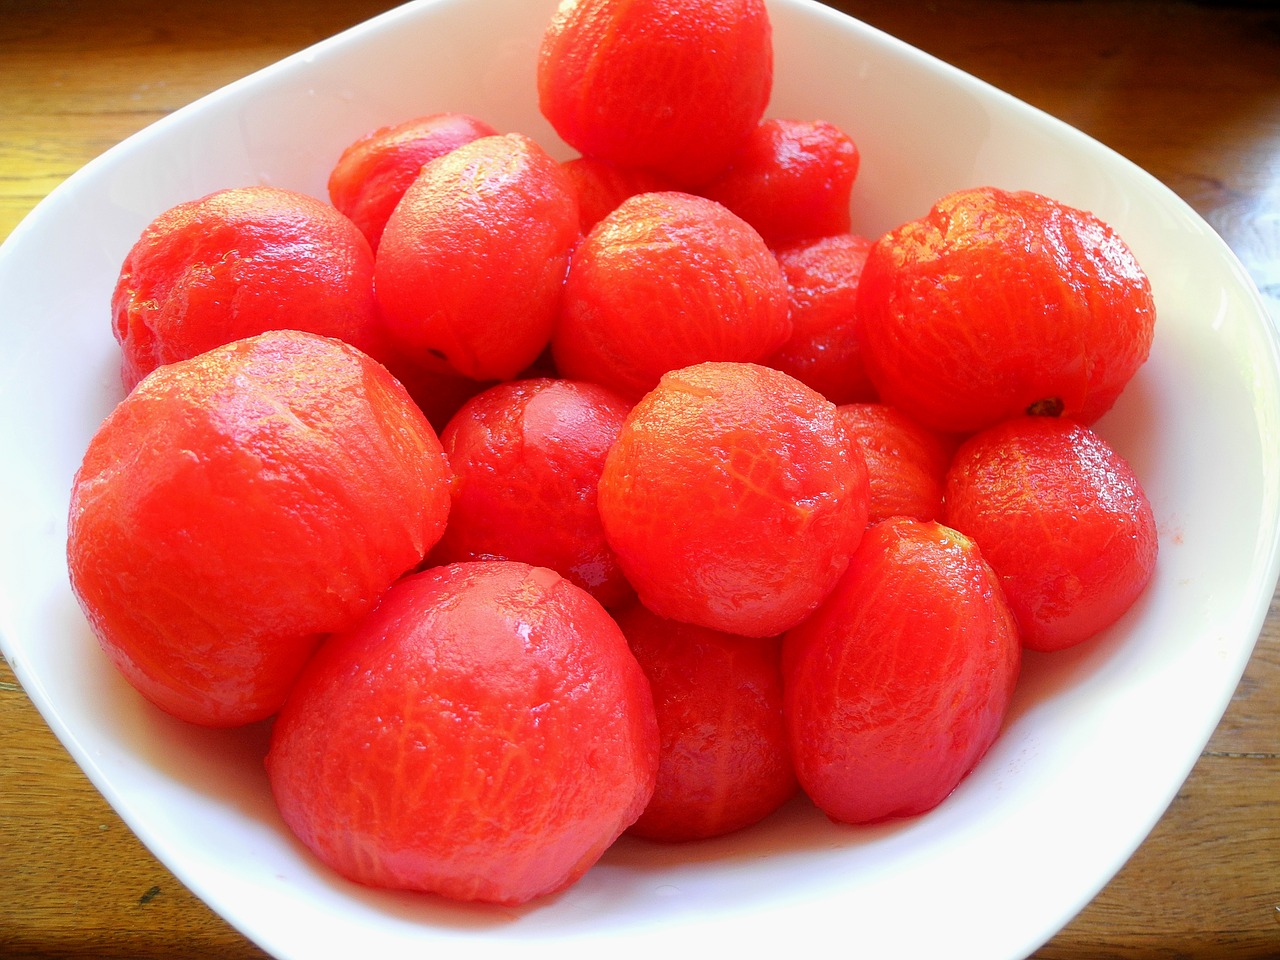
[(733, 498), (237, 506), (471, 265), (1000, 303), (899, 684), (667, 280), (236, 263), (484, 734), (672, 86), (1062, 518)]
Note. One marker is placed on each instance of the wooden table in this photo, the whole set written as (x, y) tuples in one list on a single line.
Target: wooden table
[(1190, 92)]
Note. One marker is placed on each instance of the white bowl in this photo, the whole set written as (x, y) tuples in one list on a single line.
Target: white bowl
[(1099, 739)]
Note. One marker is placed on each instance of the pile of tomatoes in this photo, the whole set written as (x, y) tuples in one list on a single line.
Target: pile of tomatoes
[(535, 502)]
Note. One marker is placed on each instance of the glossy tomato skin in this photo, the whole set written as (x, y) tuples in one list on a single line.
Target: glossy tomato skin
[(1064, 521), (670, 86), (724, 763), (900, 682), (664, 281), (906, 463), (484, 734), (239, 262), (526, 457), (791, 180), (822, 293), (372, 174), (733, 498), (1001, 303), (237, 506), (602, 186), (471, 264)]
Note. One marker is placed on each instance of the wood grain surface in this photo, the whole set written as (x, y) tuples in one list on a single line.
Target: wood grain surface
[(1191, 92)]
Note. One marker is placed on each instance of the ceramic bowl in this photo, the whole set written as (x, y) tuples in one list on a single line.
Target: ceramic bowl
[(1099, 738)]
